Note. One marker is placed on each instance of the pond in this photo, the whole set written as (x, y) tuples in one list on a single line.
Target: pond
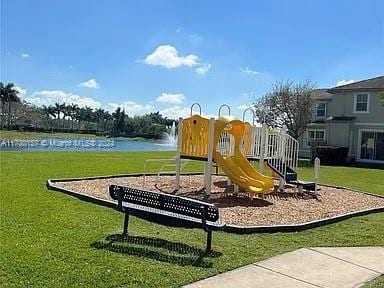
[(82, 144)]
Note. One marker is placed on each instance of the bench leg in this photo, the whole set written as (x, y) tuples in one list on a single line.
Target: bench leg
[(126, 219), (209, 242)]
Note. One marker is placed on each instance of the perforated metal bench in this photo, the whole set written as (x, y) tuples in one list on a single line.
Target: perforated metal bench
[(166, 209)]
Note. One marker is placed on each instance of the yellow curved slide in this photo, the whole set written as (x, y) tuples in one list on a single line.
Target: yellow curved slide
[(237, 167)]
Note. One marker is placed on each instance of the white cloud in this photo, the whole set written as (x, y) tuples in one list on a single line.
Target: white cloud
[(176, 112), (50, 97), (170, 98), (167, 56), (91, 83), (131, 108), (344, 82), (25, 55), (203, 69), (247, 70), (22, 92)]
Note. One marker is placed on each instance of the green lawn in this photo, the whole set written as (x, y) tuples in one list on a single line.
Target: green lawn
[(364, 179), (49, 239), (26, 135), (377, 283)]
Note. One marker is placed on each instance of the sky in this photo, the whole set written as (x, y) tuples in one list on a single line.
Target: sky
[(166, 55)]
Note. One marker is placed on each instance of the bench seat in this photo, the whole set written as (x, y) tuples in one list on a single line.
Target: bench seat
[(169, 218), (167, 209)]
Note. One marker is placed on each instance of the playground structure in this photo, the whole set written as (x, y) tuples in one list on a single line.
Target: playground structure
[(232, 145)]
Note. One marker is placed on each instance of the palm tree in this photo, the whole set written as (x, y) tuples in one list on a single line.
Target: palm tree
[(48, 112), (52, 111), (10, 95), (74, 113), (66, 112), (59, 109), (107, 117), (118, 121), (2, 103), (86, 115), (99, 116), (45, 110), (81, 116)]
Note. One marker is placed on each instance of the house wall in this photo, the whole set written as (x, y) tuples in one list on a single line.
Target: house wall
[(344, 133), (304, 149), (342, 104), (338, 133)]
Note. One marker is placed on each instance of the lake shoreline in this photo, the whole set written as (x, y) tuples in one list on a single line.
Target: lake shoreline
[(27, 135), (43, 142)]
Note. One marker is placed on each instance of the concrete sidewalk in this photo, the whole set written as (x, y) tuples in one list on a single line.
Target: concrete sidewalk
[(307, 268)]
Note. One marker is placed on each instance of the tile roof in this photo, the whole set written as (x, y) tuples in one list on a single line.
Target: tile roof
[(376, 83), (322, 94)]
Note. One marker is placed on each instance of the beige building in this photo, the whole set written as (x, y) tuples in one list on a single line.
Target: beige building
[(350, 116)]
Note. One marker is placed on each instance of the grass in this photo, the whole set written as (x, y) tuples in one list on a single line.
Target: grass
[(376, 283), (49, 239), (28, 135), (364, 179)]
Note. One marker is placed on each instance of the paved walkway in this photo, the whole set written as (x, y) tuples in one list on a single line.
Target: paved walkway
[(306, 268)]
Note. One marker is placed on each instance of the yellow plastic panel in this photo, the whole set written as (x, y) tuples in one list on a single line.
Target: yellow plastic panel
[(237, 167), (194, 142)]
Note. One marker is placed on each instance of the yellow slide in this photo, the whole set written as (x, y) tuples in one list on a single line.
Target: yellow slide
[(237, 167)]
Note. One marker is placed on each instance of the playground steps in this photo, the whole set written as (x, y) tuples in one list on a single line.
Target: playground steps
[(310, 186), (290, 175)]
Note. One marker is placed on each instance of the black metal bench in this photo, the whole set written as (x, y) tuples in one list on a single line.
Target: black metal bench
[(166, 209)]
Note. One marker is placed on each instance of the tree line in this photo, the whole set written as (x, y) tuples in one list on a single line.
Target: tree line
[(63, 117), (288, 104)]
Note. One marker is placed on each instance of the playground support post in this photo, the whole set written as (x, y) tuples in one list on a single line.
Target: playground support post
[(208, 164), (263, 146), (178, 158), (235, 189), (317, 172)]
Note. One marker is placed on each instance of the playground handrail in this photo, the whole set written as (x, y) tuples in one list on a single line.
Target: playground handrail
[(194, 105), (227, 106), (253, 114)]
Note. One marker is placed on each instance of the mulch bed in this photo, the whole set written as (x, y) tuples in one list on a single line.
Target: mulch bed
[(243, 209)]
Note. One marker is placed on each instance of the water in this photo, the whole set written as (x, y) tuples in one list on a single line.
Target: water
[(170, 139), (82, 144)]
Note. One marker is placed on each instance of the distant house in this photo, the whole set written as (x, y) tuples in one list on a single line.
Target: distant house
[(350, 116)]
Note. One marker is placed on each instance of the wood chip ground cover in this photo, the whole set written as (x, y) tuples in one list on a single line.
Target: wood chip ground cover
[(242, 209)]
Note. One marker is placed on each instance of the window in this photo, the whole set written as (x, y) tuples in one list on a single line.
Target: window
[(315, 137), (361, 103), (372, 145), (321, 110)]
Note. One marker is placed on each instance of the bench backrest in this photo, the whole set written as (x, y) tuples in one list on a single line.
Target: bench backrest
[(165, 202)]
